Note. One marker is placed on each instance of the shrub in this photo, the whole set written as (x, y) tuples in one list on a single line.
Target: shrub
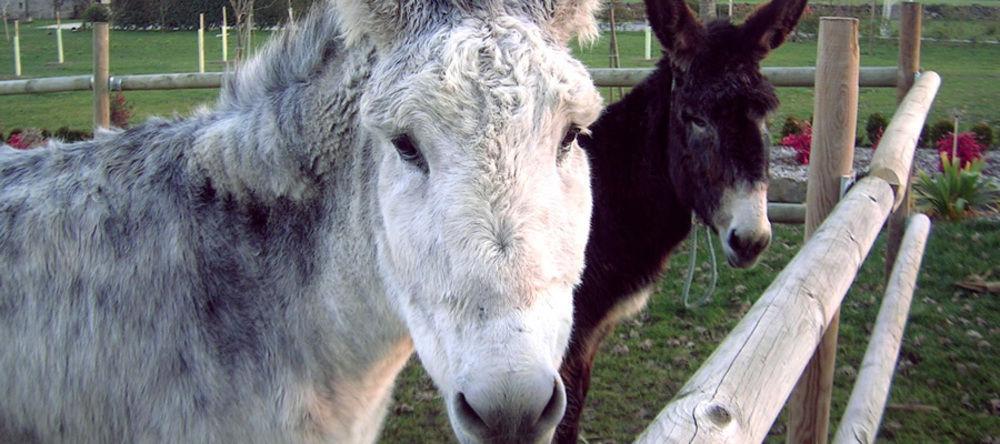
[(968, 149), (97, 13), (956, 190), (25, 139), (792, 125), (875, 127), (939, 129), (67, 135), (121, 110), (983, 134), (801, 142)]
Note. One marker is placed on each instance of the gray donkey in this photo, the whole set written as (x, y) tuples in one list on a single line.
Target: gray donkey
[(389, 175)]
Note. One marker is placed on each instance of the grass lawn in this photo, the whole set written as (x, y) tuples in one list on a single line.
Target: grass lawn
[(944, 364)]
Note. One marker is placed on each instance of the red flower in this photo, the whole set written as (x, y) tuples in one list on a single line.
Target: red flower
[(800, 142), (968, 148)]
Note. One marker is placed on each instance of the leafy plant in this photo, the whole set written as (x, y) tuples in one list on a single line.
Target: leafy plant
[(121, 111), (801, 142), (939, 128), (967, 150), (97, 13), (26, 139), (983, 134), (792, 126), (956, 190), (875, 127)]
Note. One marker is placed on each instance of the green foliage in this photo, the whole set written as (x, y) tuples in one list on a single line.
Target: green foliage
[(984, 134), (875, 127), (955, 191), (97, 13), (939, 129)]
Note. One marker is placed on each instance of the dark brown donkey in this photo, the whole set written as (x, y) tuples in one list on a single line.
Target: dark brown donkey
[(691, 138)]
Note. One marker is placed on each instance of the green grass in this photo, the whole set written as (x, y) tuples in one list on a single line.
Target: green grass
[(941, 365)]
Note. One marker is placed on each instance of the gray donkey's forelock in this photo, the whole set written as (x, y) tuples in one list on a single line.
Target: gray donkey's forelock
[(171, 282)]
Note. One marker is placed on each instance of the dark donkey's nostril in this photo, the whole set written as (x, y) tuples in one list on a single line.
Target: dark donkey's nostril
[(748, 247)]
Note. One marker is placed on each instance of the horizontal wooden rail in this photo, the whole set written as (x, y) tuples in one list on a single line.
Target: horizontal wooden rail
[(894, 157), (786, 213), (779, 76), (871, 389), (805, 76), (46, 85), (150, 82)]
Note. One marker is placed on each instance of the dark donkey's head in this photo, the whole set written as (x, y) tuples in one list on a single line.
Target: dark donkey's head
[(719, 141)]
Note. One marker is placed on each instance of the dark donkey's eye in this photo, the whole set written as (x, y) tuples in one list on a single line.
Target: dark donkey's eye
[(567, 142), (694, 120), (408, 151)]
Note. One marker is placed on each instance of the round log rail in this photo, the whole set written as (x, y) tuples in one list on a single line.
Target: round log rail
[(786, 213), (871, 388), (46, 85), (738, 392), (603, 77), (879, 77), (167, 81), (900, 137)]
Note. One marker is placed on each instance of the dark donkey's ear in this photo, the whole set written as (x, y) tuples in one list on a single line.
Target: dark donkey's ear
[(677, 28), (768, 26)]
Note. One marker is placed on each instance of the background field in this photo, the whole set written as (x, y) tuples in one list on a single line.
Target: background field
[(946, 387), (970, 72)]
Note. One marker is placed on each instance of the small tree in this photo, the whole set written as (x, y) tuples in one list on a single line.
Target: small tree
[(243, 10)]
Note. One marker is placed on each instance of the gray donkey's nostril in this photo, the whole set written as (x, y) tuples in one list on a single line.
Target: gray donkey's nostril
[(517, 407)]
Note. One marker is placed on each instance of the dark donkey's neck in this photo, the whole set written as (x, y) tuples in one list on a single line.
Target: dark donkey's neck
[(638, 217), (637, 220)]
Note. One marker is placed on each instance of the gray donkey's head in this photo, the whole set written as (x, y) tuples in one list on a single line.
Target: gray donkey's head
[(473, 110)]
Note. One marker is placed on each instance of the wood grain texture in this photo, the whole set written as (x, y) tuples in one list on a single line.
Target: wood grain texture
[(102, 102), (894, 157), (739, 391), (871, 389), (909, 66), (832, 154)]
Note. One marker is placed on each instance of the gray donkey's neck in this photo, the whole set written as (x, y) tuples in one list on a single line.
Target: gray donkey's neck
[(286, 139)]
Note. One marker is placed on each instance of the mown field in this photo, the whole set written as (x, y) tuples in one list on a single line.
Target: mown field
[(969, 71), (946, 387)]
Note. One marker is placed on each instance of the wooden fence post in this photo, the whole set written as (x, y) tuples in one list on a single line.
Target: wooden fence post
[(17, 48), (648, 53), (59, 40), (835, 114), (102, 103), (909, 65), (201, 43), (225, 36)]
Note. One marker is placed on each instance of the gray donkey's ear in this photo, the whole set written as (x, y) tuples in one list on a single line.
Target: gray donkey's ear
[(571, 18)]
